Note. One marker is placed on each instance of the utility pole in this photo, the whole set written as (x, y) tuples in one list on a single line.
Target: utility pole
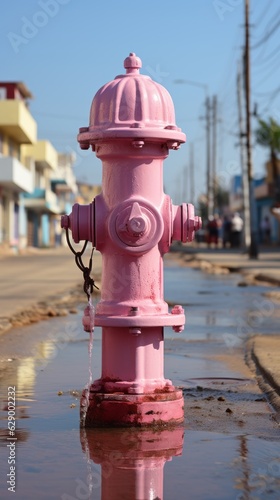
[(253, 250), (207, 118), (208, 160), (192, 188), (245, 183), (184, 184), (214, 149)]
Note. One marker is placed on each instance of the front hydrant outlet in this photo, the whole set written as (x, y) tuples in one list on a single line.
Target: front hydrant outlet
[(132, 223)]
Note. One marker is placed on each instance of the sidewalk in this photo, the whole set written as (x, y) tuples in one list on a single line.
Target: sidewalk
[(265, 268), (38, 276), (263, 352)]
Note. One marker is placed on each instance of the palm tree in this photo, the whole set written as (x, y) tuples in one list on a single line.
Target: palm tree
[(268, 135)]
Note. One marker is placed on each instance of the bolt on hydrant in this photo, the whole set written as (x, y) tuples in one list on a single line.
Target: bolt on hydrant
[(132, 223)]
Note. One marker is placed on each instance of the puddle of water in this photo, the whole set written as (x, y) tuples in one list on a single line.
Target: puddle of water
[(55, 460), (215, 466), (217, 306)]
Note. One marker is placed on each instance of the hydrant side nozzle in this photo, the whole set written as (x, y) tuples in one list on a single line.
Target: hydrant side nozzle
[(81, 222), (177, 309), (65, 222), (185, 223)]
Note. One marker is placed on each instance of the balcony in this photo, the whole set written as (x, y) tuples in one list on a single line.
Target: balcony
[(63, 180), (43, 153), (17, 122), (42, 201), (14, 175)]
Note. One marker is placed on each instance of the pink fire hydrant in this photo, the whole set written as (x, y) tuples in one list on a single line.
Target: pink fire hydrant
[(132, 223)]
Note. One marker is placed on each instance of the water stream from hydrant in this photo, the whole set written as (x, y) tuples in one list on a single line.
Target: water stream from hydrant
[(89, 327), (89, 314)]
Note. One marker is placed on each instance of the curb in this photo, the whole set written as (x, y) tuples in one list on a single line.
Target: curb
[(265, 378), (212, 267), (266, 278)]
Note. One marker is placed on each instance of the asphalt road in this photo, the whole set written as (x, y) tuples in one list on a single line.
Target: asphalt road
[(33, 277)]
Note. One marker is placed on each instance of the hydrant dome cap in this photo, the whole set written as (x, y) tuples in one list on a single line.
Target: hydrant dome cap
[(132, 106)]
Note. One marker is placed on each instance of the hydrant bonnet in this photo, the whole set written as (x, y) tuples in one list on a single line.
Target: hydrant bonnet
[(132, 106)]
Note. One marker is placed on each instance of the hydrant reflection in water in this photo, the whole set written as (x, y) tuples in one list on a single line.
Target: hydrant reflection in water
[(132, 223), (132, 461)]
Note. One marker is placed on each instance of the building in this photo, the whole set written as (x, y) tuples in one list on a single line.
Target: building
[(63, 183), (17, 128), (37, 183), (42, 203), (264, 201), (87, 192)]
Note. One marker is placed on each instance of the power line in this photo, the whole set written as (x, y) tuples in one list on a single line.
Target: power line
[(229, 132), (272, 19), (263, 14), (183, 120), (267, 107), (267, 36), (275, 66), (275, 93), (271, 22), (62, 117), (228, 74), (228, 79), (267, 60), (263, 94), (272, 54)]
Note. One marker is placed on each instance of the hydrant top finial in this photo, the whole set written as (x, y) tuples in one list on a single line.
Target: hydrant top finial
[(132, 63)]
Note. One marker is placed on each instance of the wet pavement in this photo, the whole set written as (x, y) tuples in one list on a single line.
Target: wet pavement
[(228, 447)]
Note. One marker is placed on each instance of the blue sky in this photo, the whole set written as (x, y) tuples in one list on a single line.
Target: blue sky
[(65, 50)]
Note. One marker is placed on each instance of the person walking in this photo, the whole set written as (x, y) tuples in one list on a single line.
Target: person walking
[(226, 231), (266, 230), (236, 230), (212, 231)]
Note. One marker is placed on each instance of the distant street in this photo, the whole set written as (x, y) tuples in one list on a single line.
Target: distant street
[(28, 279)]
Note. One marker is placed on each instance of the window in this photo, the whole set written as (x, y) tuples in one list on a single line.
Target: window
[(11, 147), (18, 152), (3, 93)]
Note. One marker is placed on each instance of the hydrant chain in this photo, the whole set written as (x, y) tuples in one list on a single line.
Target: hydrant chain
[(70, 246), (88, 281)]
